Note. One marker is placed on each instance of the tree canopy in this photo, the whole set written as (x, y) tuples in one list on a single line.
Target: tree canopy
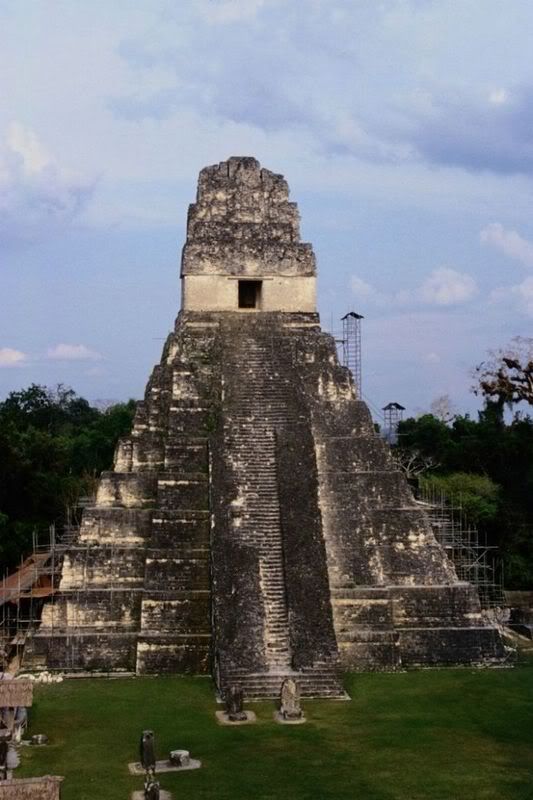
[(490, 465), (506, 378), (53, 445)]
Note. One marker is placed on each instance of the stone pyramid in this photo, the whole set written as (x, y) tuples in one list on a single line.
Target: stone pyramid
[(254, 524)]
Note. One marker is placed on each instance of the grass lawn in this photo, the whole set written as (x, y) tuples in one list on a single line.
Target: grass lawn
[(444, 735)]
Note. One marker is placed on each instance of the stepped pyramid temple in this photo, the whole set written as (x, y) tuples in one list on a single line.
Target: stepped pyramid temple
[(254, 525)]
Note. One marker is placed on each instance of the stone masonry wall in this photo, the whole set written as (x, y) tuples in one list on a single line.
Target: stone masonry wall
[(244, 226), (135, 589), (395, 595)]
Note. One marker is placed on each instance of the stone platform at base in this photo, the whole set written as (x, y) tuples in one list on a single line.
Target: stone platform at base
[(223, 719), (283, 721), (163, 795), (136, 768)]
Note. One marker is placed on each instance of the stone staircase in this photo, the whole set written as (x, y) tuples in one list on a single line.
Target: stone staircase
[(262, 400), (320, 681), (251, 438)]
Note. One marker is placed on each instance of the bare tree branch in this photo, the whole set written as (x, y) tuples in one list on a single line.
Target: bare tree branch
[(413, 463), (508, 374)]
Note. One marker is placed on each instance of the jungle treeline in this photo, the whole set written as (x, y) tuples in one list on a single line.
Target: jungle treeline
[(486, 467), (53, 446)]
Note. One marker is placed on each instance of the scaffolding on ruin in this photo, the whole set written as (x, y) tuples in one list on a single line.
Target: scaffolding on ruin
[(24, 592), (351, 347), (392, 416), (475, 560), (36, 582), (349, 352)]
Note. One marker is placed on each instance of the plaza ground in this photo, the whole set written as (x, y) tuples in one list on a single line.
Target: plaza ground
[(439, 735)]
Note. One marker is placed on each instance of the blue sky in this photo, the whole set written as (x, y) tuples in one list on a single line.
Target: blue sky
[(404, 128)]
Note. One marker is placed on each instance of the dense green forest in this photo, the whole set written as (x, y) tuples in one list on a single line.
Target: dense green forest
[(53, 446), (487, 465)]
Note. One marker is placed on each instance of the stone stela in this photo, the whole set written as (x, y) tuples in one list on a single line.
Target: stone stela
[(254, 525), (177, 761), (290, 710), (235, 704), (234, 712)]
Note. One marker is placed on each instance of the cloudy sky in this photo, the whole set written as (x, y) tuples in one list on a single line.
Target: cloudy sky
[(404, 128)]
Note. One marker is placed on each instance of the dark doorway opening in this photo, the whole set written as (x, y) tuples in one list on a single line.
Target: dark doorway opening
[(249, 294)]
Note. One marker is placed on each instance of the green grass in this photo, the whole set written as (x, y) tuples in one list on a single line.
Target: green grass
[(439, 735)]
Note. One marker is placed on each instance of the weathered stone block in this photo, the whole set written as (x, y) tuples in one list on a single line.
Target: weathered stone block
[(176, 574), (186, 457), (189, 613), (178, 490), (116, 526), (172, 529), (126, 489), (182, 654)]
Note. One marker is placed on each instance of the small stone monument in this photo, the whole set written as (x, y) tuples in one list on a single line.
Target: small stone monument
[(180, 758), (234, 713), (290, 710), (148, 765), (147, 752), (39, 739), (152, 789), (234, 704)]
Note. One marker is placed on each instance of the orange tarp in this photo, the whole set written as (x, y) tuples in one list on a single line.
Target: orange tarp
[(21, 583)]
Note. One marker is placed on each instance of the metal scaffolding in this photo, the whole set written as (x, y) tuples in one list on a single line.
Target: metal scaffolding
[(24, 593), (474, 559), (351, 348), (392, 416)]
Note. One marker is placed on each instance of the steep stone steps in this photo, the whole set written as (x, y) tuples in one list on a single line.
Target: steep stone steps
[(267, 685), (262, 407), (250, 438)]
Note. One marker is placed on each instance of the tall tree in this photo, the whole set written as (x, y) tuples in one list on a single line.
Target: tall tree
[(506, 378)]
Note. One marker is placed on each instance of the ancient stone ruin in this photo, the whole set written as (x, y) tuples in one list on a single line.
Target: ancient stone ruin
[(254, 524)]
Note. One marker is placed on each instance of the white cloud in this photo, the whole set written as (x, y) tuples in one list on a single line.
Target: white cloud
[(362, 289), (36, 194), (519, 296), (72, 352), (25, 143), (11, 358), (509, 242), (447, 287), (443, 287), (498, 96)]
